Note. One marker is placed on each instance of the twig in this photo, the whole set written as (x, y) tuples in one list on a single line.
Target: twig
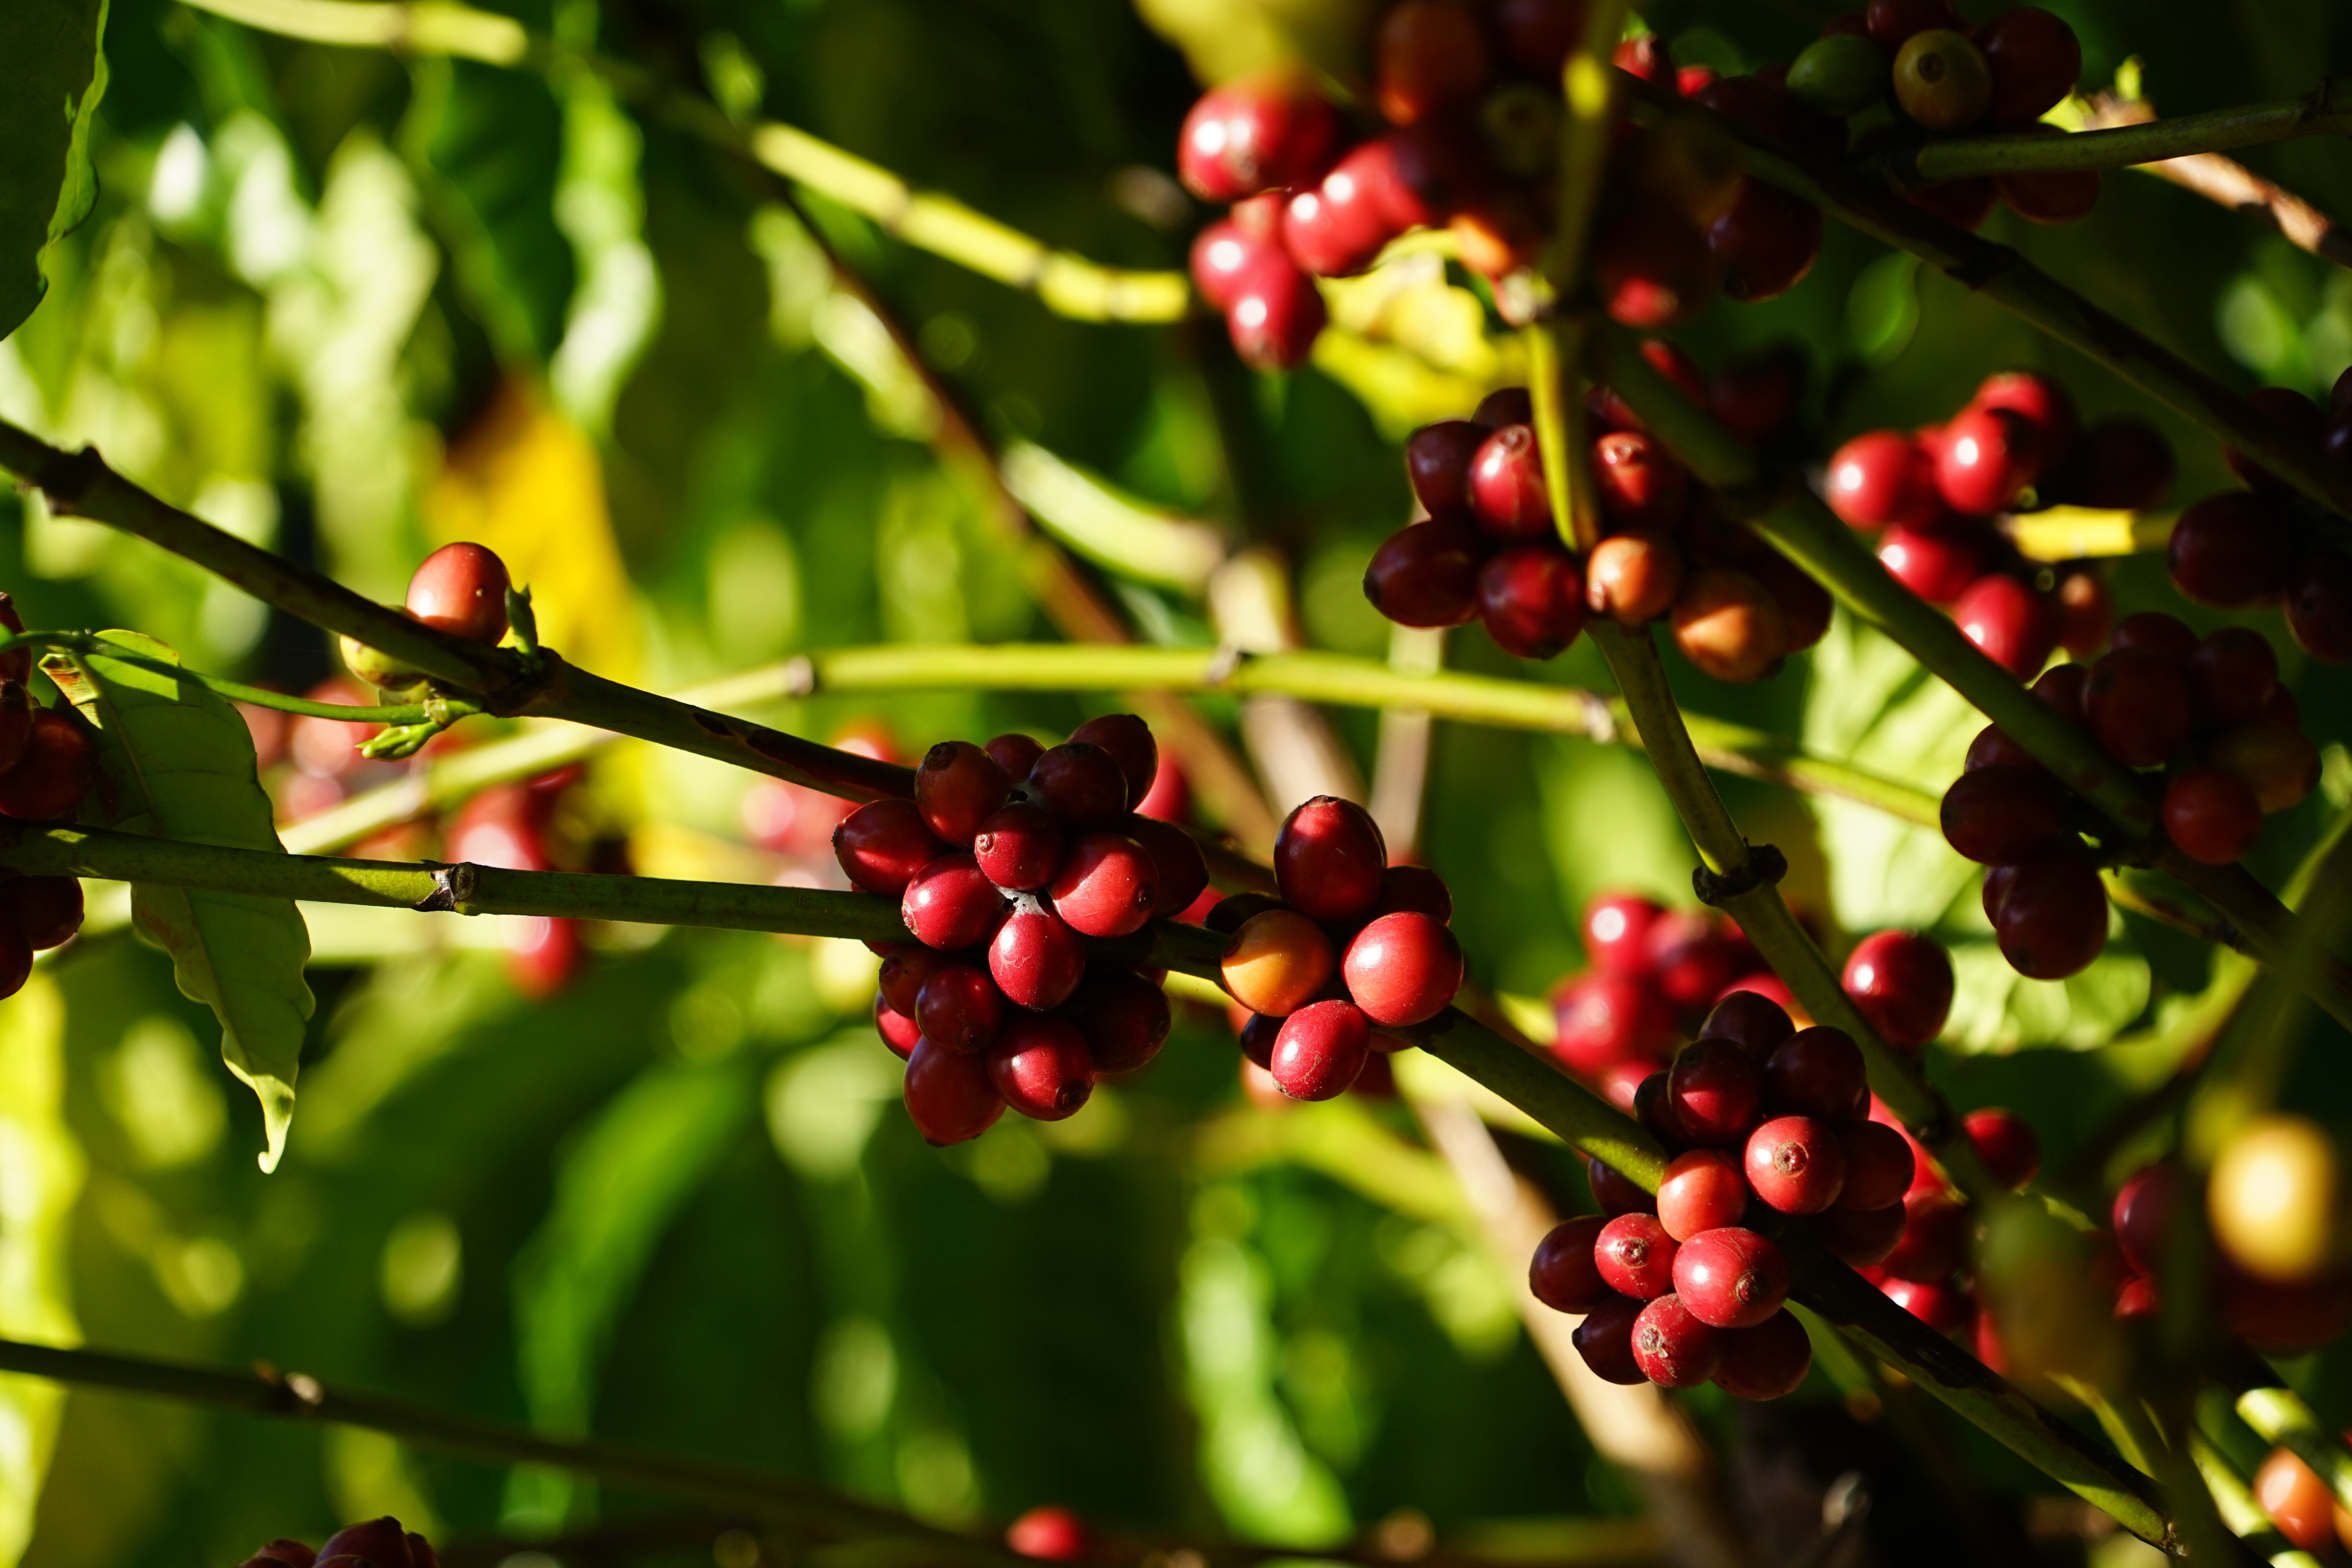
[(2325, 110), (2228, 182)]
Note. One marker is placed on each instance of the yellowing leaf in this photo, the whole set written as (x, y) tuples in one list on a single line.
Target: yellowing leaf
[(177, 762)]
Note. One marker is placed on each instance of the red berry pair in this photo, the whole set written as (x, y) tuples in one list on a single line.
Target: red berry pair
[(514, 827)]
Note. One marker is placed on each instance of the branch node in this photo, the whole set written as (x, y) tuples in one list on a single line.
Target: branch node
[(800, 676), (1228, 660), (1765, 865), (453, 890), (67, 484)]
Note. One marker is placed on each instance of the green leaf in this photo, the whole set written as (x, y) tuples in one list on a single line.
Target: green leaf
[(52, 74), (1996, 1010), (177, 762)]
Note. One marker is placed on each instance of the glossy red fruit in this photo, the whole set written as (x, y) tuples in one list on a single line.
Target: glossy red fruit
[(1716, 1090), (1428, 57), (2302, 1505), (1221, 254), (960, 1008), (1938, 566), (2124, 464), (1991, 748), (1859, 1236), (1703, 1189), (1181, 870), (1652, 1105), (956, 787), (1124, 1017), (2034, 58), (1766, 244), (1636, 1256), (1040, 1065), (1935, 1240), (1796, 1164), (1081, 784), (1034, 958), (1255, 135), (1639, 486), (2233, 673), (1645, 57), (1415, 889), (1902, 982), (1767, 1361), (1275, 315), (1756, 1024), (2211, 815), (2052, 197), (1982, 458), (1879, 476), (1051, 1534), (2005, 1144), (461, 589), (380, 1541), (949, 903), (1014, 752), (47, 911), (53, 771), (905, 968), (1402, 969), (2319, 604), (1615, 930), (2001, 815), (1732, 1278), (1337, 227), (1426, 574), (1603, 1019), (1507, 487), (1129, 740), (1692, 956), (1963, 203), (1531, 600), (1505, 405), (881, 845), (1651, 268), (1879, 1165), (1106, 886), (950, 1098), (1891, 23), (1562, 1273), (1328, 857), (1673, 1347), (2139, 707), (2086, 610), (1615, 1194), (1605, 1341), (1437, 463), (899, 1032), (2015, 626), (2235, 550), (2052, 919), (1019, 847), (1815, 1072), (1936, 1303), (1321, 1049), (2041, 403)]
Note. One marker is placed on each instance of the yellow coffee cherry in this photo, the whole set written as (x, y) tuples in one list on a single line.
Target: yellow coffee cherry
[(1941, 79), (2275, 1199)]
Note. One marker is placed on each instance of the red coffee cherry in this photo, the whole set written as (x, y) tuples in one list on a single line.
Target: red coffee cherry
[(380, 1541), (1991, 749), (1507, 487), (1437, 460), (1428, 57), (1767, 243), (1616, 928), (1615, 1194), (1982, 458), (1935, 1240), (461, 589), (1426, 574), (1415, 889), (1717, 1089), (2142, 1215), (1673, 1347), (1702, 1190), (1531, 600), (2139, 707), (1222, 255), (1729, 625), (2034, 58), (1731, 1279), (1767, 1361), (1652, 267), (2086, 610), (949, 903), (1129, 740), (1278, 962), (2008, 1148), (1035, 959), (1639, 486), (2041, 403), (1879, 1165), (1255, 135), (904, 969), (281, 1555), (1275, 315), (1935, 1303), (1040, 1065), (1755, 1023), (1053, 1534), (1337, 227), (1321, 1049), (1636, 1256), (47, 911), (1329, 858), (949, 1099), (1019, 847), (1902, 982), (1645, 57), (1938, 566), (2233, 550), (1816, 1072), (2153, 631), (2001, 815), (1081, 784), (960, 1008), (1124, 1017), (2302, 1505), (1504, 405), (1603, 1019), (956, 787), (53, 771), (1760, 397), (2052, 919), (1402, 969), (880, 846), (1015, 753), (900, 1033), (2211, 815), (1633, 578), (1796, 1164), (1561, 1274), (2233, 673), (2275, 761), (1653, 1107), (1862, 1238), (1536, 34), (2319, 604), (1106, 886), (1963, 203), (1605, 1341), (1692, 956), (1879, 476), (1181, 870), (2016, 628)]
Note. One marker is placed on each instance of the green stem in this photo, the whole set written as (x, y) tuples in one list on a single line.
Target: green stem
[(263, 1391), (2327, 110), (2281, 1417), (236, 691), (1067, 284)]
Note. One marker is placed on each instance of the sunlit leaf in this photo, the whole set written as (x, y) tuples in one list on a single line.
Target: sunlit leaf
[(52, 74)]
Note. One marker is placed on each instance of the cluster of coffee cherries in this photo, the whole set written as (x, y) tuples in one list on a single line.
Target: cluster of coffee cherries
[(48, 763), (2264, 545), (1013, 860), (1489, 548), (2210, 712), (1934, 493), (1352, 948), (1926, 1271), (378, 1543)]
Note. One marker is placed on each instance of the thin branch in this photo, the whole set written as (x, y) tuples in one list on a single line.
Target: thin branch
[(236, 691), (2325, 110), (2230, 184)]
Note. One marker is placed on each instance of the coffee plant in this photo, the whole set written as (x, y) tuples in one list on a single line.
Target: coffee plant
[(654, 614)]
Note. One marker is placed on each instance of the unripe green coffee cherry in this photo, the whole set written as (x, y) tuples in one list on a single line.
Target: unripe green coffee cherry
[(378, 669), (1843, 74)]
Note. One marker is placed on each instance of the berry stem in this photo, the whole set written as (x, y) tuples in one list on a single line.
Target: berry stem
[(2325, 110), (1590, 85)]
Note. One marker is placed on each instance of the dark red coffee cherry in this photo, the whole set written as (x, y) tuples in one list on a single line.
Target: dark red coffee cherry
[(1652, 267), (1426, 574), (1504, 405), (1255, 135), (1731, 1279), (1717, 1089), (1015, 753), (53, 771), (1982, 458), (1321, 1049), (1507, 487), (950, 903), (1615, 1194), (1691, 957), (1603, 1019), (2034, 58), (1124, 1017), (950, 1098), (2007, 1147), (1753, 1022), (1019, 846), (1041, 1067), (1703, 1189), (2052, 918), (1879, 1165), (2211, 815), (1879, 476), (1796, 1164), (1815, 1072), (880, 846), (1936, 1303), (1902, 982), (1991, 748), (2233, 550), (2319, 604), (1935, 1240), (2233, 673), (1605, 1341), (1275, 315), (2153, 631), (1767, 1361), (1428, 57), (17, 713), (2001, 815), (1616, 929), (897, 1031), (1536, 34), (2293, 413), (1328, 859), (1561, 1274), (1862, 1238), (2086, 610), (461, 589), (1402, 969), (1256, 1038), (1107, 884), (1081, 784), (1652, 1105), (2016, 628), (1938, 566), (1633, 578), (1437, 463), (1636, 1256), (1415, 889), (1129, 740), (47, 911), (2065, 689), (1035, 959), (2041, 403), (2137, 707), (380, 1541), (16, 664), (960, 1008), (1531, 600), (2142, 1215), (1673, 1347), (1639, 486), (1183, 871), (1963, 203), (1767, 243), (905, 968), (1760, 397), (956, 787)]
